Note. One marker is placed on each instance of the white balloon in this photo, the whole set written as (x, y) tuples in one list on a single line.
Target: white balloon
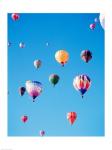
[(21, 45), (102, 20)]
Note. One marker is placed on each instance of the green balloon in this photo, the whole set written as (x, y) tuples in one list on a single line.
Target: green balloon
[(53, 78)]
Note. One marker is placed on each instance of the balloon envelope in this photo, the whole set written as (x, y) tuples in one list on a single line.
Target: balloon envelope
[(86, 55), (71, 116), (54, 78), (92, 26), (22, 91), (15, 16), (21, 45), (42, 132), (62, 57), (24, 119), (34, 88), (82, 83), (37, 64), (96, 20)]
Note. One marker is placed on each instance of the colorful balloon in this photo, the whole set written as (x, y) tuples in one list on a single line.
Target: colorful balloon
[(82, 83), (22, 91), (102, 20), (37, 64), (61, 57), (15, 16), (54, 78), (24, 119), (34, 88), (21, 45), (71, 116), (42, 132), (92, 26), (86, 55)]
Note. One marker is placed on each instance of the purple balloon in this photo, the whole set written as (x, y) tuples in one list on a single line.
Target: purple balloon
[(92, 26), (42, 132)]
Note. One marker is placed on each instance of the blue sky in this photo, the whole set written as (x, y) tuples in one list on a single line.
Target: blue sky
[(62, 31)]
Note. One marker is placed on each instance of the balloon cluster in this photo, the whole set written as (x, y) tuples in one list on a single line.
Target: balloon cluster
[(81, 82)]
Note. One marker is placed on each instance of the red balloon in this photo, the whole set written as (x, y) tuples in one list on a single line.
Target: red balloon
[(15, 16), (71, 116), (24, 118)]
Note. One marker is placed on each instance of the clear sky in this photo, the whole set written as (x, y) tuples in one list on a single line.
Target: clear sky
[(62, 31)]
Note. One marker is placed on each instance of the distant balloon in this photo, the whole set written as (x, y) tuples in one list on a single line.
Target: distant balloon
[(47, 44), (86, 55), (24, 119), (34, 88), (42, 132), (21, 45), (22, 91), (62, 57), (92, 26), (71, 116), (53, 78), (15, 16), (102, 20), (37, 63), (82, 83), (96, 20)]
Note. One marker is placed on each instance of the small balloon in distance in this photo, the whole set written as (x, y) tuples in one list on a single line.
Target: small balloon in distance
[(72, 116), (37, 63), (86, 55), (15, 16), (21, 44), (41, 132), (24, 119), (54, 79), (92, 26), (22, 91)]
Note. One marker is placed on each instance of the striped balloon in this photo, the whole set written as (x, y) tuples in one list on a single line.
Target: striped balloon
[(71, 116), (86, 55), (82, 83)]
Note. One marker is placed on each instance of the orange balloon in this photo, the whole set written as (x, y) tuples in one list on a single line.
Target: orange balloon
[(61, 57), (72, 116)]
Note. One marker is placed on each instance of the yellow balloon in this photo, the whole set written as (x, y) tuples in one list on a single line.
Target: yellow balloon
[(61, 57)]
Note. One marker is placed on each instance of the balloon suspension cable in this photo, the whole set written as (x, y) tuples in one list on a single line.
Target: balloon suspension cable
[(82, 96)]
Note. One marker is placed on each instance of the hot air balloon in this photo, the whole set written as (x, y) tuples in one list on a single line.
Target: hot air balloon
[(21, 45), (22, 91), (24, 119), (54, 78), (34, 88), (47, 44), (42, 132), (82, 83), (15, 16), (102, 20), (37, 63), (86, 55), (61, 57), (92, 26), (71, 116), (96, 20)]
